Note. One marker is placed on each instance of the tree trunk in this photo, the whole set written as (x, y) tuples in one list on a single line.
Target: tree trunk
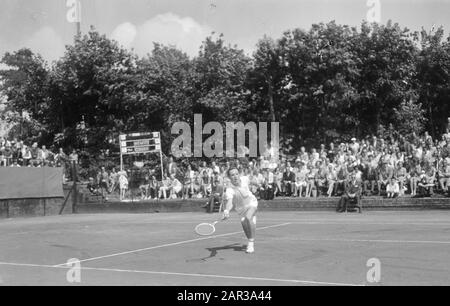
[(270, 97)]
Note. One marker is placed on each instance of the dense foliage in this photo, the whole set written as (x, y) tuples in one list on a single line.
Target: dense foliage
[(329, 83)]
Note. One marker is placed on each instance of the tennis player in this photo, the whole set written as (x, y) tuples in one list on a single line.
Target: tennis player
[(239, 197)]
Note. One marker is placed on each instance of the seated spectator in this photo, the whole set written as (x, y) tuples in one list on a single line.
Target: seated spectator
[(288, 182), (352, 193), (144, 188), (401, 175), (15, 164), (444, 176), (301, 180), (392, 189), (321, 178), (93, 187), (385, 173), (331, 179), (164, 187), (414, 178), (424, 188), (175, 187), (153, 188), (342, 177)]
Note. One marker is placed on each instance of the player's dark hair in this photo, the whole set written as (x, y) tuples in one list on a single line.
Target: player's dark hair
[(231, 168)]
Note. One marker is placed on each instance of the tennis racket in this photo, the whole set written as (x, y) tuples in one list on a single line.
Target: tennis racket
[(206, 229)]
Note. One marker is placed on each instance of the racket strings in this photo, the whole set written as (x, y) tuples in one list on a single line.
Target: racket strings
[(205, 229)]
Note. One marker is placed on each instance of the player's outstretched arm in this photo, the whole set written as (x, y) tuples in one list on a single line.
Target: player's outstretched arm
[(228, 205)]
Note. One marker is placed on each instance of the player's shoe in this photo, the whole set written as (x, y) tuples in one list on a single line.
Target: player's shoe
[(250, 248)]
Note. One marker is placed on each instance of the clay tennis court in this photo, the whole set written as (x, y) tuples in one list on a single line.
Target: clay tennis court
[(292, 248)]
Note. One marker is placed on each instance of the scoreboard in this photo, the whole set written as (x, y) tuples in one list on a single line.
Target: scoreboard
[(140, 143)]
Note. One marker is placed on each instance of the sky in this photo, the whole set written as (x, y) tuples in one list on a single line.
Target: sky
[(42, 25)]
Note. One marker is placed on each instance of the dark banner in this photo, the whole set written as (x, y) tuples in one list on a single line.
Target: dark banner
[(20, 183)]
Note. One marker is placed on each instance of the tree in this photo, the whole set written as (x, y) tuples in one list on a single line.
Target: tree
[(220, 84), (386, 60), (410, 117), (433, 78), (90, 83), (25, 84)]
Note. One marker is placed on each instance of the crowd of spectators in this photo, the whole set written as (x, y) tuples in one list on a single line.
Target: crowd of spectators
[(391, 166), (15, 153)]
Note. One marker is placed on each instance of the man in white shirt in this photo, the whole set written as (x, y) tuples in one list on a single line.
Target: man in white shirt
[(239, 197)]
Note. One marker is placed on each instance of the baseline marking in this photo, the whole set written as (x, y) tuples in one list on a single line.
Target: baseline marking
[(171, 244), (188, 274)]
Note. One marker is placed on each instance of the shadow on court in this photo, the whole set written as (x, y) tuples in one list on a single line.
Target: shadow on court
[(236, 247)]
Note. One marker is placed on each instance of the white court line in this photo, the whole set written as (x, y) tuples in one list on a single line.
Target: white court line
[(367, 240), (172, 244), (188, 274), (296, 221)]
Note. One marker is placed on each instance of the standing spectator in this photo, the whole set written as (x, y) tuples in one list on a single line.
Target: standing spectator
[(188, 189), (331, 179), (144, 188), (104, 180), (278, 181), (354, 146), (331, 151), (123, 184), (2, 154), (369, 176), (73, 157), (7, 154), (73, 160), (172, 167), (153, 188), (113, 180), (26, 155), (43, 155), (34, 155)]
